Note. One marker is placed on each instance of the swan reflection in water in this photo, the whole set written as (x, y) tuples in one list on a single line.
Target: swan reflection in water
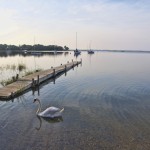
[(49, 120)]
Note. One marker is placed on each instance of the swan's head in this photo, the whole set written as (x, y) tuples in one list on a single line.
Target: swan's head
[(35, 100), (39, 109)]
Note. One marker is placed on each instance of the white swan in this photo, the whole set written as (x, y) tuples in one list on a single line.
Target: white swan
[(50, 112)]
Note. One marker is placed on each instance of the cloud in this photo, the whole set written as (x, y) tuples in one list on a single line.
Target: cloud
[(105, 21)]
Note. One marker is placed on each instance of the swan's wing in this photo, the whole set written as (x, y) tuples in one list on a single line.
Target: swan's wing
[(51, 111)]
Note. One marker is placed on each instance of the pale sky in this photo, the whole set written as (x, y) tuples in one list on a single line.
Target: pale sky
[(107, 24)]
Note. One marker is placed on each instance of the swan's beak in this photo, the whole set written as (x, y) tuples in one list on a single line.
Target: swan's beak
[(34, 101)]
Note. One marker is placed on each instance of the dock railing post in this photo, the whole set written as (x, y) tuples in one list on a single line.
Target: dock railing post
[(38, 91)]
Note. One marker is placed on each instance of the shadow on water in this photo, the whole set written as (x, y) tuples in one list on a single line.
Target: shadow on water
[(49, 120)]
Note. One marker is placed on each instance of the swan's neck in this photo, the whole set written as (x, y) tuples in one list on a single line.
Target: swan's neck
[(39, 108)]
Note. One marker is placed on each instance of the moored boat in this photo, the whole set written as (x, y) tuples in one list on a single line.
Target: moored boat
[(76, 52), (90, 52)]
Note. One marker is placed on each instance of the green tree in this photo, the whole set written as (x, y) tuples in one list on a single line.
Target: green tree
[(66, 48)]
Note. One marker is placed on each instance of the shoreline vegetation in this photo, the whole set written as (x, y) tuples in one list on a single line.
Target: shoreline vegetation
[(15, 78), (19, 70), (33, 47)]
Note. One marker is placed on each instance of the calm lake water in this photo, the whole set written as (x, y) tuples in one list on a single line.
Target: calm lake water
[(106, 101)]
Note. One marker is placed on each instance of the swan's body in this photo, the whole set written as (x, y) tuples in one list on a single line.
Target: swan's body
[(50, 112)]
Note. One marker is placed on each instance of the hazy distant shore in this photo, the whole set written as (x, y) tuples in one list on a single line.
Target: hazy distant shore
[(130, 51), (124, 51)]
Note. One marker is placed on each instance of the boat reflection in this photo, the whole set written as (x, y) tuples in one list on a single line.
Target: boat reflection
[(76, 55)]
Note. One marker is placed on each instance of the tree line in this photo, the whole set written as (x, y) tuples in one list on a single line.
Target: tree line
[(33, 47)]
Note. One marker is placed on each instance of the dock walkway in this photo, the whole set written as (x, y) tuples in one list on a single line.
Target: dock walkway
[(32, 80)]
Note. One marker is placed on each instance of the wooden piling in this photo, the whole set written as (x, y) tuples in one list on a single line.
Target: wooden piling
[(12, 94), (13, 78), (53, 72), (17, 76), (65, 68), (38, 78), (33, 83)]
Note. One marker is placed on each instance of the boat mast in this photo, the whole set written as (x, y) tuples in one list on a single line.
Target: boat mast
[(34, 44), (76, 40), (34, 56), (90, 45)]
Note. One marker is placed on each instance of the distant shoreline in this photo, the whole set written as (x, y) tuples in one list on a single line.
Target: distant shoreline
[(129, 51), (120, 51), (123, 51)]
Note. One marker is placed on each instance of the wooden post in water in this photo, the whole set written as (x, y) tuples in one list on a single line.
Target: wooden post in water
[(65, 73), (38, 91), (13, 78), (38, 79), (54, 72), (33, 83), (65, 68), (54, 80), (81, 61), (33, 91), (12, 94), (17, 76)]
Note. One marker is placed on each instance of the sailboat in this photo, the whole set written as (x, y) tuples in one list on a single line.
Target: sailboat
[(76, 52), (90, 51)]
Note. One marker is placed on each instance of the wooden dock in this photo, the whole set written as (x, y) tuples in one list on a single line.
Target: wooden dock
[(33, 80)]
